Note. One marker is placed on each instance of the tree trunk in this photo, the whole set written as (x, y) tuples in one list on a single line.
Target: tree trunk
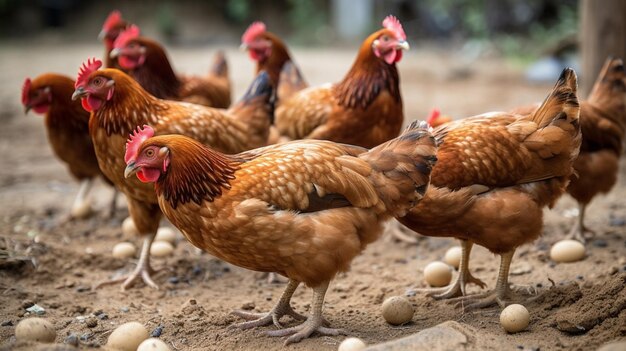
[(602, 34)]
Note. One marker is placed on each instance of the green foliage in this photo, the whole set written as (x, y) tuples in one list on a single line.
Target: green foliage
[(307, 17), (167, 20), (238, 10)]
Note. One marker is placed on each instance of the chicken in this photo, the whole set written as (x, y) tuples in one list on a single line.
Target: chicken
[(68, 132), (268, 50), (303, 209), (111, 29), (364, 109), (603, 125), (494, 174), (118, 104), (146, 61)]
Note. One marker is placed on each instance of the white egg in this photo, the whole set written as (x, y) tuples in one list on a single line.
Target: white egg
[(397, 310), (153, 344), (82, 210), (35, 329), (124, 250), (161, 249), (437, 274), (567, 251), (514, 318), (127, 336), (129, 228), (351, 344), (453, 256), (166, 234)]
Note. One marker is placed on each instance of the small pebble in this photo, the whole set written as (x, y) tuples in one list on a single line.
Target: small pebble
[(7, 323), (86, 336), (36, 309), (157, 331), (124, 309), (599, 243), (103, 316), (91, 322), (173, 280), (71, 339), (617, 222)]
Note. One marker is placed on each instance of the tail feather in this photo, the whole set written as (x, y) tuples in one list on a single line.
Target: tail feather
[(220, 66), (290, 81), (256, 107), (402, 167), (562, 101)]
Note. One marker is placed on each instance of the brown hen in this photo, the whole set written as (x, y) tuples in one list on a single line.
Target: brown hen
[(67, 126), (494, 175), (146, 61), (603, 126), (111, 29), (119, 104), (303, 209), (364, 109)]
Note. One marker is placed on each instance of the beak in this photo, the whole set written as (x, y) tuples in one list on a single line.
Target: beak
[(243, 47), (79, 93), (131, 169), (27, 108), (102, 35), (114, 53), (403, 45)]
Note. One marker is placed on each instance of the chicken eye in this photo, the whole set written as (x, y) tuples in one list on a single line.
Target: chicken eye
[(149, 152), (385, 38), (98, 81)]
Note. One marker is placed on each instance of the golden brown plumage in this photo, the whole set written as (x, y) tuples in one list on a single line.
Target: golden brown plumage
[(146, 61), (66, 126), (303, 209), (119, 104), (494, 175), (603, 126), (364, 109)]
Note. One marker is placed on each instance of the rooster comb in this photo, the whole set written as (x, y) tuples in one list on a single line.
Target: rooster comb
[(253, 30), (88, 67), (127, 35), (114, 18), (25, 91), (434, 114), (135, 140), (394, 25)]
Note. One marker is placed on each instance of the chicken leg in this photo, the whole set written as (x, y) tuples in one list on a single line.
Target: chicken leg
[(113, 205), (142, 270), (500, 294), (314, 323), (282, 308), (458, 287), (579, 229)]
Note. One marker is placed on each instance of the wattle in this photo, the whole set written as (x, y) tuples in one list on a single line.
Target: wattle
[(43, 108), (148, 175), (126, 62), (91, 103)]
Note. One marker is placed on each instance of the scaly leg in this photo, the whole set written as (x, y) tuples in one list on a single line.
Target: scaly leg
[(282, 308), (500, 294), (113, 204), (458, 287), (579, 229), (314, 323), (142, 270)]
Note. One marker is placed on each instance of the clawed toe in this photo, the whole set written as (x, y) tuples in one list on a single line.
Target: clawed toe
[(303, 331)]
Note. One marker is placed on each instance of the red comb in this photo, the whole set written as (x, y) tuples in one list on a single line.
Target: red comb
[(129, 34), (25, 91), (135, 140), (434, 114), (393, 24), (115, 17), (88, 67), (253, 30)]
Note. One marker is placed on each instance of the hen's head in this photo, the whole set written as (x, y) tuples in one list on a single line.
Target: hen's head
[(36, 95), (128, 49), (93, 86), (388, 43), (112, 27), (257, 41), (147, 160)]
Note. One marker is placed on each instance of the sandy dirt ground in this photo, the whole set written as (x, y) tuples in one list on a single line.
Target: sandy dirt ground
[(55, 265)]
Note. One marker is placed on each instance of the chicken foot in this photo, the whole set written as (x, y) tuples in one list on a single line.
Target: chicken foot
[(579, 229), (143, 269), (465, 277), (314, 323), (282, 308), (499, 295)]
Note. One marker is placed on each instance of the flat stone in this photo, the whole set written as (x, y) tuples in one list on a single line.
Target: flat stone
[(442, 337)]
